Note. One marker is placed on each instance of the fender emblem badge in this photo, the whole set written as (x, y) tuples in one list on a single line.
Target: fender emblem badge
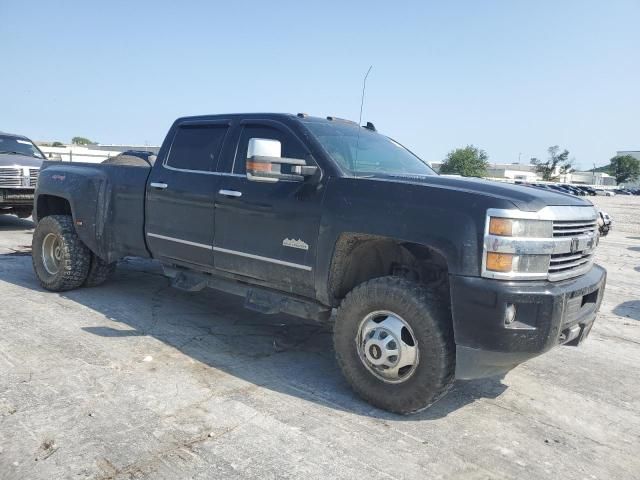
[(299, 244)]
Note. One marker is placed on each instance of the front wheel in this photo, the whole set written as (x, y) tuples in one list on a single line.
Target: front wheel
[(394, 344), (60, 259)]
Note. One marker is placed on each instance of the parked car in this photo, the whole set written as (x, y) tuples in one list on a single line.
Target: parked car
[(587, 190), (559, 188), (20, 161), (606, 193), (433, 278), (575, 190)]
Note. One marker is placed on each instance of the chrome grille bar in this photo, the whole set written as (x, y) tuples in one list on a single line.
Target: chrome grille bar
[(572, 228), (33, 176), (10, 177)]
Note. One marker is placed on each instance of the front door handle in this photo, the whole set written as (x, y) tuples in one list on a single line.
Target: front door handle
[(158, 185), (230, 193)]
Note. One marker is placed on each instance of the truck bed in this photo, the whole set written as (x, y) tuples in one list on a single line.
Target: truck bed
[(110, 220)]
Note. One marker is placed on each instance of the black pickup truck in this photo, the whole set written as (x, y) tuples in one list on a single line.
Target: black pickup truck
[(431, 278)]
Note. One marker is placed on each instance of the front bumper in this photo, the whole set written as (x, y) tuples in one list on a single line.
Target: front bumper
[(547, 314), (13, 197)]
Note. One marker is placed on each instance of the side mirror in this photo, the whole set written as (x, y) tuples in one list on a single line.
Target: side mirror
[(264, 163)]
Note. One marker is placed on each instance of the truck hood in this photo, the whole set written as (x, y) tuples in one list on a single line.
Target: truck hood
[(525, 198), (11, 160)]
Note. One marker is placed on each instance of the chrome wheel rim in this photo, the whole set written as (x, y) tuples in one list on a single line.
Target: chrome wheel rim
[(52, 253), (387, 346)]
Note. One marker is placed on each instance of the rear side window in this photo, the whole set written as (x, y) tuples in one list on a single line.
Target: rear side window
[(197, 147)]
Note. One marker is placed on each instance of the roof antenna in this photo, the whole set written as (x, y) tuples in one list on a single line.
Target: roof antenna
[(364, 86)]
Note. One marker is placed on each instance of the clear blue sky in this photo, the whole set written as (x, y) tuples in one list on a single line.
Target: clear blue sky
[(508, 76)]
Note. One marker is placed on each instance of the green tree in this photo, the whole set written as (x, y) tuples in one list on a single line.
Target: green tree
[(469, 161), (558, 162), (625, 168), (57, 144), (81, 141)]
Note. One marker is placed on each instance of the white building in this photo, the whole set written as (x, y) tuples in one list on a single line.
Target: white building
[(90, 153), (521, 172), (524, 172), (589, 178)]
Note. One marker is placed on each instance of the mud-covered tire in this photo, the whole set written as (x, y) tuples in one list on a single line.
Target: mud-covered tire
[(74, 256), (99, 271), (430, 321)]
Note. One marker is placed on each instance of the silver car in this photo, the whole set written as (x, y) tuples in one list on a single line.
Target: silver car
[(20, 162)]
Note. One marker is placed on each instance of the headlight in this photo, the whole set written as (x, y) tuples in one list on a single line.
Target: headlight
[(553, 243), (517, 227), (512, 263), (517, 263)]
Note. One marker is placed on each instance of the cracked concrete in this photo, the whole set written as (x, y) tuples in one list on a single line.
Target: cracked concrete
[(137, 380)]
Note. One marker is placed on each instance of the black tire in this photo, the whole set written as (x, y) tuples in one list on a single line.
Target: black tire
[(430, 320), (99, 271), (75, 257)]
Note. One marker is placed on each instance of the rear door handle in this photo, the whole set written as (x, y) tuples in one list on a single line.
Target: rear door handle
[(230, 193), (158, 185)]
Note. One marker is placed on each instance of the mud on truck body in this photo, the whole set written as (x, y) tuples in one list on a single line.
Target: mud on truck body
[(430, 278)]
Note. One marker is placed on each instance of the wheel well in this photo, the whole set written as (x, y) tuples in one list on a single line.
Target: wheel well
[(358, 258), (52, 205)]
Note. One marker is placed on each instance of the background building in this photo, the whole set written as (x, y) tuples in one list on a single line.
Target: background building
[(523, 172), (89, 153), (590, 178)]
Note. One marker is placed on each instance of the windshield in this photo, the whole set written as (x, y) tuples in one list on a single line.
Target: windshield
[(360, 151), (18, 146)]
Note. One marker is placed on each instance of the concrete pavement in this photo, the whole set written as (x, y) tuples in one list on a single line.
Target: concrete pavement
[(135, 379)]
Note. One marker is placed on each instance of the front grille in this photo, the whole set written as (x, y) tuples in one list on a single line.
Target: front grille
[(33, 176), (10, 177), (19, 177), (570, 264), (564, 262), (574, 228)]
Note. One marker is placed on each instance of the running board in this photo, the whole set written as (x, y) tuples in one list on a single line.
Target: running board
[(258, 299)]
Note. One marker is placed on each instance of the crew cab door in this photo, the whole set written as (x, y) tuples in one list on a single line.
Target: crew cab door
[(267, 231), (179, 223)]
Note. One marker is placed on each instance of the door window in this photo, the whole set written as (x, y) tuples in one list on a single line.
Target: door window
[(197, 147), (291, 147)]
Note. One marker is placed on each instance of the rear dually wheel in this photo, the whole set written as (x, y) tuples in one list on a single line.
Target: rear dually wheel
[(60, 260)]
